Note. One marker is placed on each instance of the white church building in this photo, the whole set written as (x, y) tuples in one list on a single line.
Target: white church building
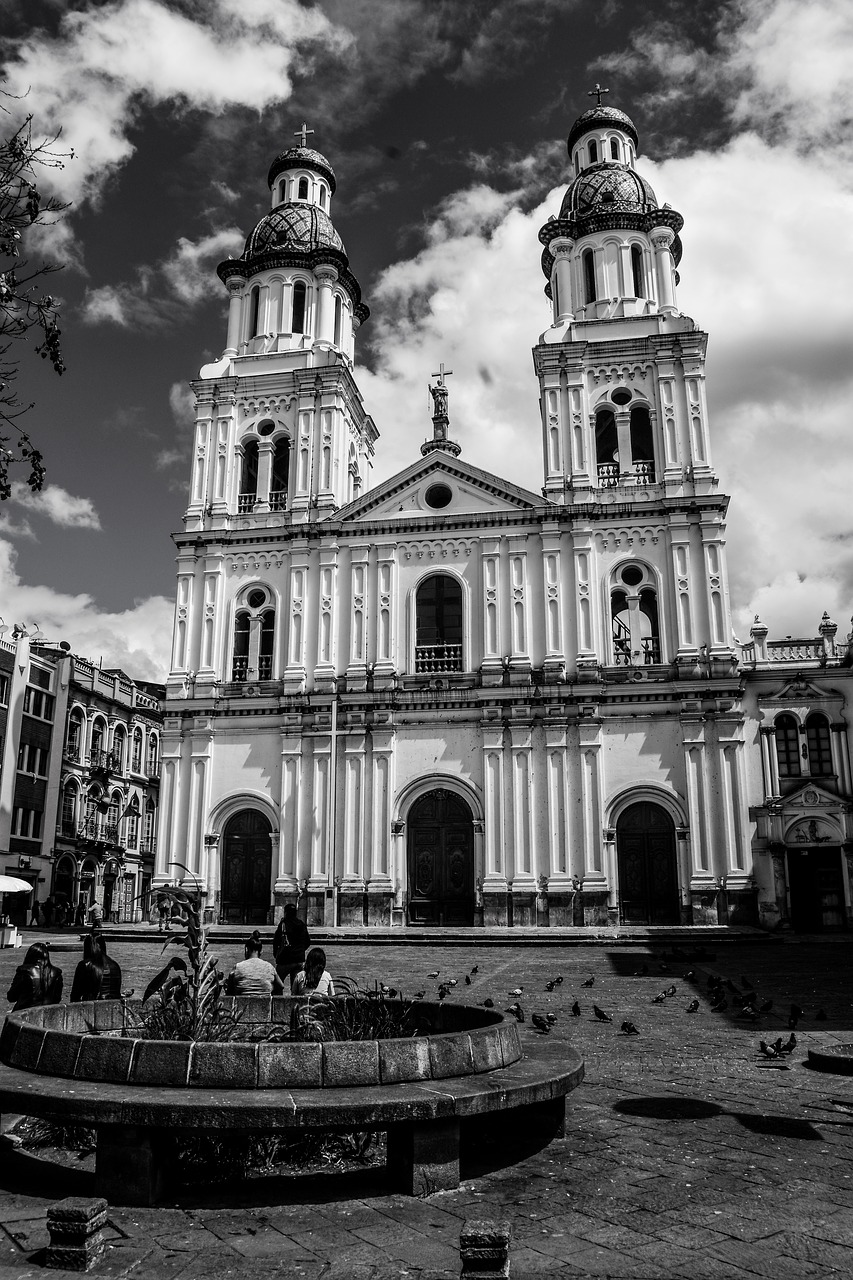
[(448, 701)]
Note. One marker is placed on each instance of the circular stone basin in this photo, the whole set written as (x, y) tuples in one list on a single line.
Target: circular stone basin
[(91, 1041), (837, 1058)]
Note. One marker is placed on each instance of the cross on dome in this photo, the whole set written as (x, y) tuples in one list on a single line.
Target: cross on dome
[(590, 93), (303, 134), (442, 374)]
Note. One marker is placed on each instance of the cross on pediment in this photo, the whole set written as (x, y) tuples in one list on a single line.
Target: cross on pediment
[(590, 93), (302, 134)]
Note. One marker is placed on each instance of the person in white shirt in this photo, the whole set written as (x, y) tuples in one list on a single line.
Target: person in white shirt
[(254, 976), (313, 978)]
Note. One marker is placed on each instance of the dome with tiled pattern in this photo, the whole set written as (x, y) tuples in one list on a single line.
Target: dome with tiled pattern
[(606, 187)]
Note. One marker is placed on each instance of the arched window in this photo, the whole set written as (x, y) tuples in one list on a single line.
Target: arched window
[(614, 149), (254, 310), (642, 445), (577, 162), (113, 811), (322, 196), (634, 624), (68, 820), (282, 192), (136, 759), (606, 449), (119, 742), (637, 271), (438, 625), (302, 193), (240, 661), (620, 628), (820, 750), (267, 639), (152, 764), (788, 747), (589, 275), (74, 742), (248, 494), (299, 298), (649, 630), (593, 153), (279, 476), (99, 738), (338, 319)]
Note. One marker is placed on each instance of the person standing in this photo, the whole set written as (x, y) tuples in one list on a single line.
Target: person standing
[(34, 912), (80, 913), (290, 944), (96, 915)]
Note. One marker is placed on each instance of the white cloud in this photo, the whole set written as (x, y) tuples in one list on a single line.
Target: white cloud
[(137, 639), (162, 293), (57, 505)]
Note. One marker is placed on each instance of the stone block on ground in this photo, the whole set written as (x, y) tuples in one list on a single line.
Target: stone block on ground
[(484, 1249), (76, 1227)]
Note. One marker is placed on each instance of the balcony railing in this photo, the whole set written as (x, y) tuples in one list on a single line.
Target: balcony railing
[(278, 499), (246, 503), (648, 654), (608, 475), (433, 658), (239, 670), (98, 831), (72, 751), (152, 768), (645, 472), (105, 761), (149, 845)]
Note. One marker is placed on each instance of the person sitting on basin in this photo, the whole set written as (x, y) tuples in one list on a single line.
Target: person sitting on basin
[(36, 981), (313, 978), (254, 976), (89, 974)]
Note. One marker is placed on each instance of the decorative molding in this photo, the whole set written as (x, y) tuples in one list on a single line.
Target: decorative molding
[(437, 548)]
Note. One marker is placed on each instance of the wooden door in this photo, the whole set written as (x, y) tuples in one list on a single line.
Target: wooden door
[(441, 861), (647, 864), (246, 869)]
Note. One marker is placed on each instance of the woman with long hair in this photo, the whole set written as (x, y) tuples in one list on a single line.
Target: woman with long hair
[(89, 974), (36, 981), (313, 978)]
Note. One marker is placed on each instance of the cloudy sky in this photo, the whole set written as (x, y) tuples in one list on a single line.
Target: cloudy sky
[(446, 122)]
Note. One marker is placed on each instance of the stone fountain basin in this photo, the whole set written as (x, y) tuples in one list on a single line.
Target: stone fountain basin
[(87, 1041)]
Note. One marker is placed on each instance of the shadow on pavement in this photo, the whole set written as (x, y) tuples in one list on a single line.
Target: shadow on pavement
[(673, 1108)]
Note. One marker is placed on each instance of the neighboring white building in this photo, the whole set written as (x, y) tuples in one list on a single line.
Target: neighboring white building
[(448, 700)]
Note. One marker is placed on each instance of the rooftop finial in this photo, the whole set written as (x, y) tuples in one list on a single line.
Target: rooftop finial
[(590, 93), (302, 133), (440, 416)]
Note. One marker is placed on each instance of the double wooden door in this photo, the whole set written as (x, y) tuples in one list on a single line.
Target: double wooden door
[(246, 869), (440, 861), (648, 867)]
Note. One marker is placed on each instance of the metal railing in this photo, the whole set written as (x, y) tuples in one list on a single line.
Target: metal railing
[(104, 760), (431, 658), (647, 655), (97, 830)]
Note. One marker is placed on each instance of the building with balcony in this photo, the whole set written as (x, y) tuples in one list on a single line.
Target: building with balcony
[(447, 699)]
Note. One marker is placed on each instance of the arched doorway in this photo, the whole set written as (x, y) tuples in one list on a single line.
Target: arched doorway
[(440, 848), (648, 866), (246, 869)]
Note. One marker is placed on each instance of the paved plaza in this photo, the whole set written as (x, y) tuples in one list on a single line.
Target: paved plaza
[(687, 1154)]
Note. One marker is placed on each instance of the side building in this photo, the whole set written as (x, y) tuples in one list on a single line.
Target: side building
[(449, 700), (79, 786)]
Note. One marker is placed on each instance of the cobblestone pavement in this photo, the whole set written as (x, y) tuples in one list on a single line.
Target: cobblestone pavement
[(686, 1153)]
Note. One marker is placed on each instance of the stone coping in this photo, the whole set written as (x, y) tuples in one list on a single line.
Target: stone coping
[(84, 1042), (836, 1058)]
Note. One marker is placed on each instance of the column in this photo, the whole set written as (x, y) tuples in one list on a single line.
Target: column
[(555, 657), (669, 424), (840, 757), (552, 437), (386, 594), (492, 664), (354, 814), (623, 437), (713, 552), (734, 810), (265, 455), (302, 451), (235, 303), (207, 667), (698, 799), (495, 877), (294, 672), (183, 604), (519, 619), (521, 764), (288, 869), (681, 571), (583, 558), (769, 761), (590, 746), (327, 624), (662, 238), (561, 277), (325, 276), (198, 483), (321, 873), (357, 668), (383, 794), (559, 826), (201, 740), (682, 847)]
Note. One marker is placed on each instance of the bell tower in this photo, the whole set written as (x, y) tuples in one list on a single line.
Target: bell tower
[(624, 415)]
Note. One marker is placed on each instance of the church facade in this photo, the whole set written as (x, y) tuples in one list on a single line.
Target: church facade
[(444, 700)]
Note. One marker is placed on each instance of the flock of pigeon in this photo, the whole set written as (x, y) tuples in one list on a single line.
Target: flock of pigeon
[(721, 992)]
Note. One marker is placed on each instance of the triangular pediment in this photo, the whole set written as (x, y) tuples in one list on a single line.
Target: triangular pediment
[(800, 690), (440, 485), (808, 799)]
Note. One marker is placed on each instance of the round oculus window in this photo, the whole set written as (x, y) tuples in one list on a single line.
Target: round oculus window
[(266, 428), (632, 576), (622, 396), (256, 599), (438, 496)]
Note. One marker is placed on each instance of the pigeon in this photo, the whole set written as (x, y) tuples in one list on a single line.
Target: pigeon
[(558, 979), (576, 1010), (769, 1051), (175, 966), (790, 1044), (641, 973), (419, 995), (689, 976), (693, 1007), (820, 1016), (475, 968), (551, 1017), (720, 1006), (516, 1011), (549, 986), (488, 1003), (442, 993), (629, 1029), (517, 992), (590, 982), (453, 982), (540, 1023), (467, 979), (660, 998), (748, 1011), (766, 1007), (434, 974), (671, 991), (601, 1015)]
